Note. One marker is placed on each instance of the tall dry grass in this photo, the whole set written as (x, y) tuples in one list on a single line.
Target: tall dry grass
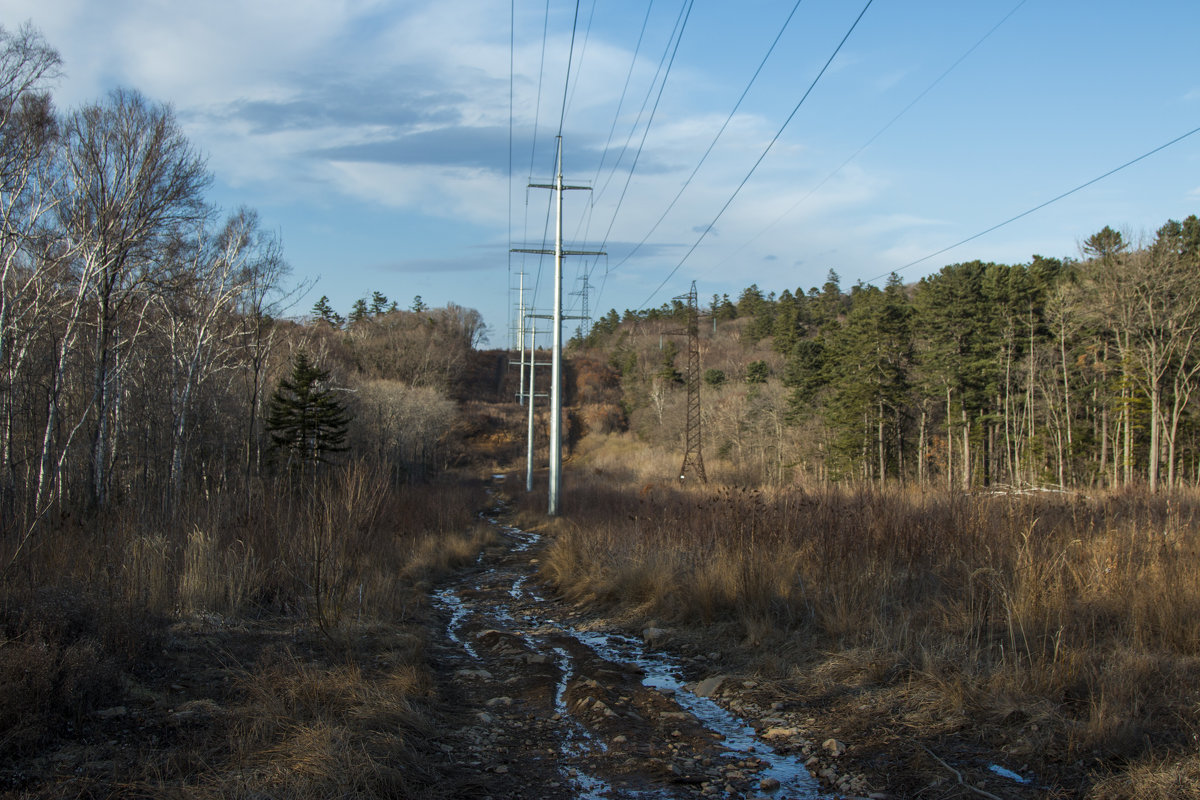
[(93, 601), (1089, 606)]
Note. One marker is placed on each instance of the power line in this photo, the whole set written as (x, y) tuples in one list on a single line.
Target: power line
[(676, 36), (684, 10), (770, 144), (621, 102), (649, 121), (567, 83), (616, 116), (713, 144), (1040, 206), (533, 149), (877, 134), (512, 47), (587, 35)]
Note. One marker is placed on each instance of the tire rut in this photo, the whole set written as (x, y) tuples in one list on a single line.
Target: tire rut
[(542, 707)]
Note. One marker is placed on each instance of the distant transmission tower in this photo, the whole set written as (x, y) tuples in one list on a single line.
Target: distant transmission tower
[(693, 459), (585, 326)]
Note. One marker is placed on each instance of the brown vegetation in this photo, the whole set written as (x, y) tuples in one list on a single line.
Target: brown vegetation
[(1067, 625), (263, 652)]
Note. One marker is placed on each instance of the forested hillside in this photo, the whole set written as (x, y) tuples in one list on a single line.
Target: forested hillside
[(143, 330), (1052, 372), (190, 466)]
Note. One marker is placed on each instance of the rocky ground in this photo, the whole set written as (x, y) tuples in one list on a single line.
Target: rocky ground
[(545, 700), (530, 698)]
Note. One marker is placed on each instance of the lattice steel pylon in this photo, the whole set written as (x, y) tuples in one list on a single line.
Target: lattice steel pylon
[(693, 459)]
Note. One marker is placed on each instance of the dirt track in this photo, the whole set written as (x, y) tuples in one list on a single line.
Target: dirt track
[(544, 707)]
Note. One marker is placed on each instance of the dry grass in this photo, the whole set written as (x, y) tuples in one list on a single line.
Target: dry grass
[(1085, 607), (92, 617)]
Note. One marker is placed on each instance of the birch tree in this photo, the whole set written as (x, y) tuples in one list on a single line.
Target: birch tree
[(131, 180)]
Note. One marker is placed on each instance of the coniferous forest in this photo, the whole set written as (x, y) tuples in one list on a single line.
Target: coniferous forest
[(1056, 372)]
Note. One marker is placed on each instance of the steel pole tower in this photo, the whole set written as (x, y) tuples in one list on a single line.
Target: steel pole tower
[(521, 336), (556, 361), (529, 438)]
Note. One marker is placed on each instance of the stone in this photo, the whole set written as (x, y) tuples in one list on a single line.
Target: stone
[(768, 785), (780, 733), (115, 711), (499, 701), (710, 685), (833, 747), (481, 674)]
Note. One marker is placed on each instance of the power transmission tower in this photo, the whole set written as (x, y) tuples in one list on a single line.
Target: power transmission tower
[(585, 327), (693, 459), (556, 371)]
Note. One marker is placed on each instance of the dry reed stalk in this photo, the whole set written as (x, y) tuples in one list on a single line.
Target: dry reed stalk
[(1089, 605)]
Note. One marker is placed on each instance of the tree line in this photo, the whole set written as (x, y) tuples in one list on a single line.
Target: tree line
[(143, 331), (1070, 372)]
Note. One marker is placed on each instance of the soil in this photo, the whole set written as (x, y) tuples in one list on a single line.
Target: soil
[(525, 704), (536, 713)]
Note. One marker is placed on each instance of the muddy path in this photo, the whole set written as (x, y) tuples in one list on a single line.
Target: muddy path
[(542, 703)]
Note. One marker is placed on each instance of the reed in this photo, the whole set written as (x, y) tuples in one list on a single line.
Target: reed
[(1086, 605)]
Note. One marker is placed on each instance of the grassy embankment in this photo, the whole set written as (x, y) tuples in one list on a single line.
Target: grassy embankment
[(1063, 627), (234, 653)]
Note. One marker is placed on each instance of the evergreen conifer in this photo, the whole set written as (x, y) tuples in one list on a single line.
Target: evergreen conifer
[(304, 418)]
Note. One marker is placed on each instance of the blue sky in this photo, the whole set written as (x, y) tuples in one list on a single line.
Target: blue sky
[(374, 136)]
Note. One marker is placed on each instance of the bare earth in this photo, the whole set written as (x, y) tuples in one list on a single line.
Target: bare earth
[(547, 701), (531, 698)]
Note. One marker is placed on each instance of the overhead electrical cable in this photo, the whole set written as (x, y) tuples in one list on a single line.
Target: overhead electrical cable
[(649, 122), (1040, 206), (877, 134), (676, 36), (587, 35), (567, 83), (616, 116), (770, 144), (716, 138), (537, 111), (624, 89), (664, 69), (684, 10), (512, 47)]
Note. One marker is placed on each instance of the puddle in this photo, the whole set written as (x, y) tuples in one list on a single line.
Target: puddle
[(1008, 773), (458, 611), (738, 738)]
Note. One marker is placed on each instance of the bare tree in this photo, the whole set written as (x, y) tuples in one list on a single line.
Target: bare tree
[(211, 276), (27, 145), (131, 181)]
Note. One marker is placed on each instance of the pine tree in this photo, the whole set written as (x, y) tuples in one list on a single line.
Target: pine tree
[(304, 418), (359, 312), (322, 310), (379, 303)]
